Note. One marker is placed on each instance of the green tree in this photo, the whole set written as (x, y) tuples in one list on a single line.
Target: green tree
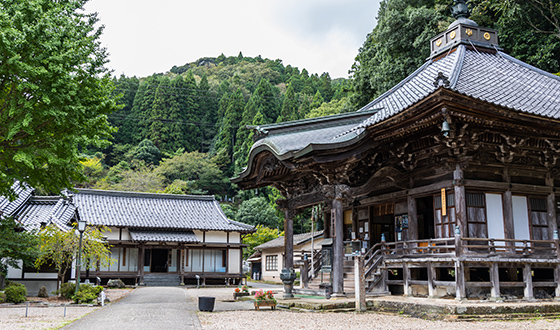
[(55, 92), (127, 87), (197, 169), (230, 124), (257, 211), (15, 245), (60, 248), (290, 106), (317, 100), (262, 235), (332, 108), (147, 152), (398, 45)]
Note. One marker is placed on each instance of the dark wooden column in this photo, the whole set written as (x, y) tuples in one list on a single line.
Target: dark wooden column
[(507, 202), (141, 263), (336, 194), (460, 200), (551, 206), (412, 219), (289, 238)]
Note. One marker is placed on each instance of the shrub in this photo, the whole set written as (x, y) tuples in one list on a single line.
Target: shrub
[(16, 293), (116, 284), (2, 297), (43, 292), (67, 290), (87, 294)]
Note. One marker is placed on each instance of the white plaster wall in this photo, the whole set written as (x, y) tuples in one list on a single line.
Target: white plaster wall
[(199, 234), (272, 275), (234, 257), (216, 236), (234, 237), (495, 216), (113, 234), (125, 235), (15, 272), (520, 217), (40, 275)]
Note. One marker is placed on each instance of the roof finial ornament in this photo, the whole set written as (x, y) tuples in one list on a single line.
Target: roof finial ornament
[(460, 9)]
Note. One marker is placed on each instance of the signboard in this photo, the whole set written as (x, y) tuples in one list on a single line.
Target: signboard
[(443, 203)]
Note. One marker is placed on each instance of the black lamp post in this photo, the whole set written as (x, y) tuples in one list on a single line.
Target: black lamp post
[(81, 229)]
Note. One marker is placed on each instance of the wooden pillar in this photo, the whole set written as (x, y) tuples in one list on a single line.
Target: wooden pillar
[(557, 280), (551, 206), (459, 281), (412, 219), (528, 279), (338, 247), (360, 283), (508, 215), (355, 224), (406, 279), (182, 263), (431, 278), (495, 280), (141, 263), (460, 200), (289, 238), (460, 292)]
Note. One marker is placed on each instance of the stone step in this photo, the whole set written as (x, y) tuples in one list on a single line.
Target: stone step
[(162, 280)]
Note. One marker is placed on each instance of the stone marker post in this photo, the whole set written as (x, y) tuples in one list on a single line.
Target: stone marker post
[(360, 283)]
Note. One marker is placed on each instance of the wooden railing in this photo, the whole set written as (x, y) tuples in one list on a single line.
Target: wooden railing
[(467, 246)]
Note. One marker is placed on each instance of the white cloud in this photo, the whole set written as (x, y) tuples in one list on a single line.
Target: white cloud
[(144, 37)]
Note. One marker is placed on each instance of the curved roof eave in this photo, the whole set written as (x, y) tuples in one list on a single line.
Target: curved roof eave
[(294, 154)]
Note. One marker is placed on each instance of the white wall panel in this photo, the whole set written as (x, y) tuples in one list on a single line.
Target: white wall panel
[(495, 216), (520, 217)]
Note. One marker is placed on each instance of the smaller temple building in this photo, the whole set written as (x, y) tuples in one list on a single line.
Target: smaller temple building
[(156, 239)]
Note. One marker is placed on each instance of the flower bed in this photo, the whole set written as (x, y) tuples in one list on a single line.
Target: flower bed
[(264, 298)]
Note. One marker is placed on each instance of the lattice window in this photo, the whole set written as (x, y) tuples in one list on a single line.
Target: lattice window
[(539, 218), (444, 225), (271, 262), (476, 215)]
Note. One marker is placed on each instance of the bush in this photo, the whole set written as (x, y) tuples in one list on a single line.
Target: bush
[(67, 290), (2, 297), (16, 293), (115, 284), (43, 292), (87, 294)]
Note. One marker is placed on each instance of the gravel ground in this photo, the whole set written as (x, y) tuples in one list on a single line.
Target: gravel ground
[(12, 317), (267, 319)]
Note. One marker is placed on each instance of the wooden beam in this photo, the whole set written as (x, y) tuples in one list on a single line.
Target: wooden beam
[(460, 292), (289, 239)]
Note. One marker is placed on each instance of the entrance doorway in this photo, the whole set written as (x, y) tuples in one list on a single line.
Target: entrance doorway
[(425, 214), (159, 260)]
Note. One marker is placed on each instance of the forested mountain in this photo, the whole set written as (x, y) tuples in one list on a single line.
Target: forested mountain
[(183, 131)]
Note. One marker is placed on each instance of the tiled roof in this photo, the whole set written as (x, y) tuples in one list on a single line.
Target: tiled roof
[(298, 239), (492, 77), (161, 211), (146, 235), (7, 207), (46, 210)]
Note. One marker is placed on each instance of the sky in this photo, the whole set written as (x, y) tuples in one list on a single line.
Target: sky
[(145, 36)]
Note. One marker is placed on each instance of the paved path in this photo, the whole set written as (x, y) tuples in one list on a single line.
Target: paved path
[(145, 308)]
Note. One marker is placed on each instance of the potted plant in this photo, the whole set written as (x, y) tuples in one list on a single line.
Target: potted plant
[(264, 298), (241, 291)]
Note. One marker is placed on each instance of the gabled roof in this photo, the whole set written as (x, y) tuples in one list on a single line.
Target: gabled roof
[(298, 240), (154, 211), (40, 211), (494, 77), (23, 191)]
